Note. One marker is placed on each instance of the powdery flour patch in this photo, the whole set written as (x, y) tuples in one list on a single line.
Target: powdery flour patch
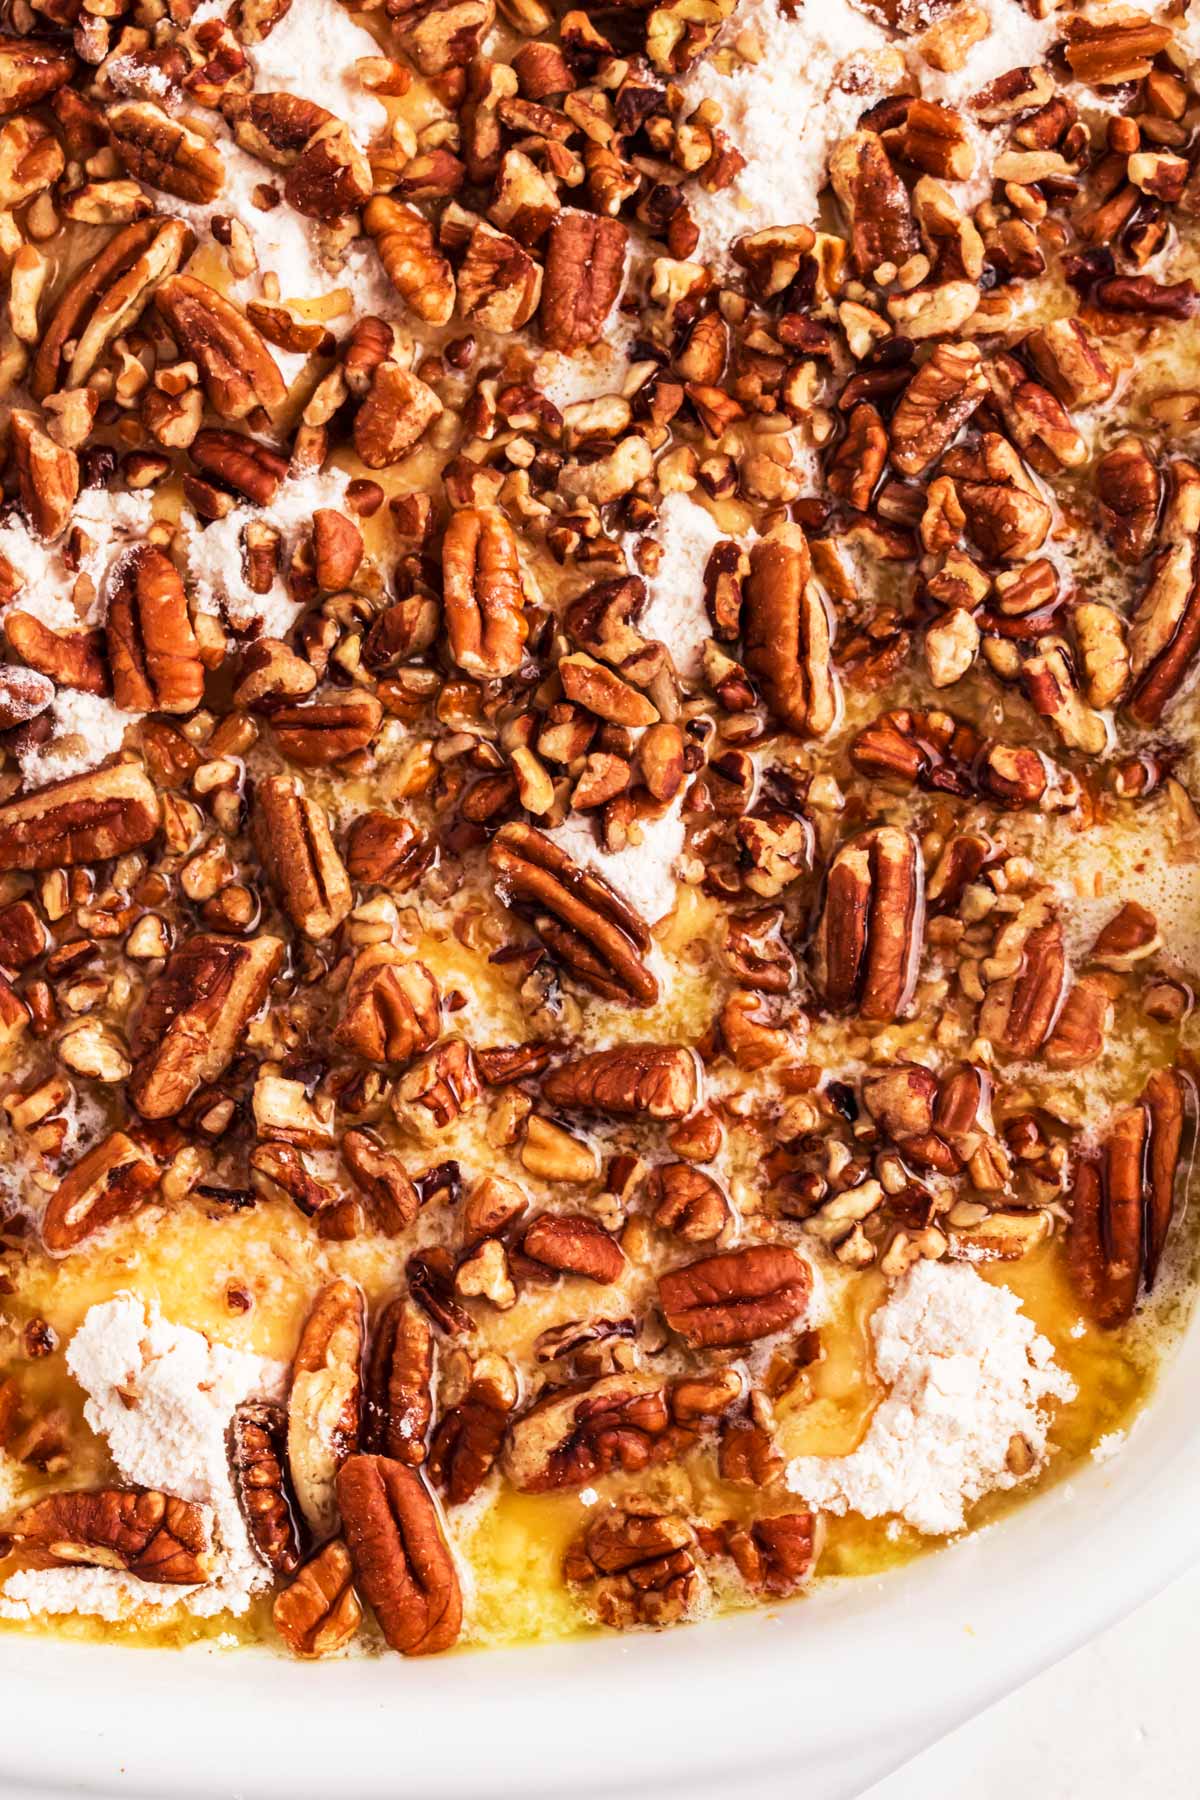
[(214, 568), (967, 1372), (675, 613), (643, 874)]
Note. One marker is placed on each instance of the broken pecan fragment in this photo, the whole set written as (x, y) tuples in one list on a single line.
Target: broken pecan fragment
[(193, 1019), (942, 395), (393, 1007), (151, 1535), (653, 1081), (400, 1556), (580, 919), (1130, 490), (483, 593), (236, 367), (572, 1244), (788, 634), (572, 1435), (688, 1202), (1020, 1011), (320, 1613), (84, 819), (323, 1403), (257, 1457), (299, 856), (395, 415), (31, 69), (585, 266), (1164, 634), (104, 299), (385, 850), (383, 1178), (882, 227), (152, 649), (736, 1296), (399, 1399), (469, 1435), (776, 1555), (867, 945), (111, 1181), (1124, 1200), (637, 1567)]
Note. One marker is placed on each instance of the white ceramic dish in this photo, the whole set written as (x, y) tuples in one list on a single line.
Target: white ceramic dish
[(820, 1698)]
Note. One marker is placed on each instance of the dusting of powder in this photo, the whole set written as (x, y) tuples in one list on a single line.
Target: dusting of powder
[(675, 613), (163, 1396), (213, 553), (643, 874), (967, 1372)]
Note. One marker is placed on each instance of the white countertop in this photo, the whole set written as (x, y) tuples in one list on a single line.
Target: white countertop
[(1119, 1720)]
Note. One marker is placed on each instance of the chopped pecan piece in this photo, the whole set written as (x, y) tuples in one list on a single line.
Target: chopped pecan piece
[(579, 918), (499, 283), (257, 1456), (1130, 490), (1124, 1200), (1164, 635), (299, 856), (585, 266), (151, 1535), (788, 634), (193, 1018), (31, 69), (1019, 1012), (393, 1007), (776, 1555), (688, 1202), (111, 1181), (394, 417), (152, 649), (469, 1435), (383, 1178), (736, 1296), (653, 1081), (399, 1399), (1129, 937), (84, 819), (570, 1436), (1083, 1024), (637, 1568), (399, 1553), (319, 1613), (323, 1404), (1070, 363), (882, 228), (573, 1244), (867, 946), (104, 299), (385, 850), (483, 593), (935, 405), (47, 475), (439, 1088), (236, 367)]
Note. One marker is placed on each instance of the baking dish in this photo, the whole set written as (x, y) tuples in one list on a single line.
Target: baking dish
[(837, 1688)]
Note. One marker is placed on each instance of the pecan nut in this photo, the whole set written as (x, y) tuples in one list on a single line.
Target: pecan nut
[(47, 475), (400, 1556), (689, 1203), (382, 1177), (736, 1296), (942, 395), (499, 283), (788, 634), (236, 367), (653, 1081), (776, 1555), (882, 227), (1164, 635), (394, 417), (570, 1436), (163, 153), (399, 1397), (467, 1442), (323, 1404), (1129, 487), (320, 1613), (580, 919), (573, 1244), (408, 251), (1020, 1011), (637, 1567), (31, 69), (326, 731), (867, 946), (257, 1459), (585, 266), (193, 1018), (111, 1181), (483, 593), (393, 1007), (298, 854), (84, 819), (152, 649), (104, 299), (151, 1535)]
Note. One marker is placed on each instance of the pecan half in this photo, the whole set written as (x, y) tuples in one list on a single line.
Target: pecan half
[(637, 1567), (152, 649), (163, 153), (499, 283), (1164, 634), (84, 819), (572, 1244), (585, 266), (323, 1403), (382, 1177), (882, 227), (31, 69), (736, 1296), (483, 593), (469, 1435), (867, 946), (111, 1181), (393, 1007), (398, 410), (400, 1556), (257, 1458), (935, 405), (236, 367), (104, 299), (324, 731), (319, 1613), (1020, 1011), (193, 1018), (654, 1081), (1124, 1200), (1129, 487), (151, 1535), (573, 1435), (399, 1399), (385, 850), (408, 251), (47, 475), (788, 634), (580, 919), (299, 856)]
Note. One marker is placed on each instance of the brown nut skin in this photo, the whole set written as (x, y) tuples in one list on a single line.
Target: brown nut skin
[(399, 1397), (110, 1182), (736, 1296), (152, 649), (400, 1556), (319, 1613), (867, 944), (574, 1245), (689, 1203), (86, 818), (153, 1536), (483, 593), (653, 1081)]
